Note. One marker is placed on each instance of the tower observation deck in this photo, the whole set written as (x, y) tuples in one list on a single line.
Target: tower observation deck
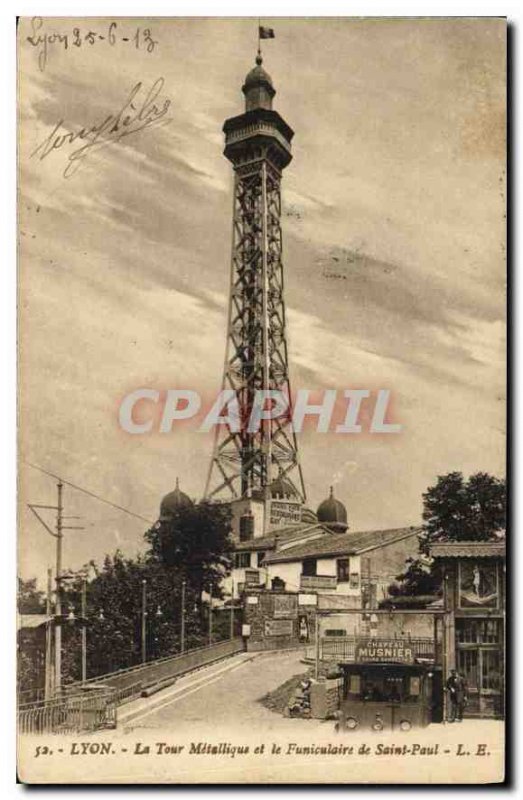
[(263, 463)]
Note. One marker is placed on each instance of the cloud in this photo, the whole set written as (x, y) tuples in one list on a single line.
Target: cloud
[(394, 237)]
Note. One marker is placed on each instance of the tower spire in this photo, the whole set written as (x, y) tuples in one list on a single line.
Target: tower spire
[(245, 463)]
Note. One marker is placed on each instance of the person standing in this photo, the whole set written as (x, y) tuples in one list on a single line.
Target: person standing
[(456, 687)]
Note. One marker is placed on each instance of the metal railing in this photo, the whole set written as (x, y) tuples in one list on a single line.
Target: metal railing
[(339, 647), (129, 682), (92, 706), (79, 713)]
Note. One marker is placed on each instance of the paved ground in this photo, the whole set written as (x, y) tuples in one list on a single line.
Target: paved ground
[(222, 694)]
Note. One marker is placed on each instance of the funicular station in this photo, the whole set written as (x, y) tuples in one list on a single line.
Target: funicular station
[(385, 668)]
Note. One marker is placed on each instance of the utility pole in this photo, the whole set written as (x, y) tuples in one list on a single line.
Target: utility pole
[(49, 638), (58, 535), (210, 614), (58, 601), (144, 621), (232, 609), (84, 629), (317, 647), (182, 632)]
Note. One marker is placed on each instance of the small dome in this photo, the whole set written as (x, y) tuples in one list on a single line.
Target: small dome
[(256, 76), (258, 88), (283, 488), (173, 501), (333, 514)]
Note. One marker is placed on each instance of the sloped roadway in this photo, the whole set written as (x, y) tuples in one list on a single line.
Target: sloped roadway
[(225, 693)]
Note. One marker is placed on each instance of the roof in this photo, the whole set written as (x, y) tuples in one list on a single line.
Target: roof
[(336, 544), (468, 550), (333, 513), (284, 535), (259, 543), (32, 620), (174, 501)]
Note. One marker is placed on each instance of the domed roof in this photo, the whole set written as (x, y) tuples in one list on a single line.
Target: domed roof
[(257, 75), (281, 487), (173, 501), (333, 513)]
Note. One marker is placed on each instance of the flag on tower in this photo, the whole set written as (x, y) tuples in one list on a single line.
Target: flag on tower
[(266, 33)]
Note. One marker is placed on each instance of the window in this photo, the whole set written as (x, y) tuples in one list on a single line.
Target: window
[(261, 556), (309, 566), (354, 684), (342, 569), (242, 560), (354, 582), (490, 631), (491, 670), (336, 632), (476, 631)]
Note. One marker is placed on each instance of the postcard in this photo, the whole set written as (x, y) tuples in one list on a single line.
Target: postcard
[(262, 406)]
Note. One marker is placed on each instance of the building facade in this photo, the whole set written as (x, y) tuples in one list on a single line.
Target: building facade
[(474, 601)]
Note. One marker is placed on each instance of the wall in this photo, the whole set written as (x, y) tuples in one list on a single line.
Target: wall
[(389, 561), (289, 572), (260, 613), (241, 506), (416, 626)]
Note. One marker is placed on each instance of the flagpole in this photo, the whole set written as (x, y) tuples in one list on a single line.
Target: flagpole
[(259, 40)]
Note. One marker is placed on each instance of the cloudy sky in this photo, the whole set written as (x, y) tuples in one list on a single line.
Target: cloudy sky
[(394, 220)]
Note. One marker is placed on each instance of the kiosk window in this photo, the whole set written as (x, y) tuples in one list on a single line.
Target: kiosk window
[(355, 684), (414, 686)]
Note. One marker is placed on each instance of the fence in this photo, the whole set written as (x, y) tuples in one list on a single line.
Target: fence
[(344, 648), (92, 705), (129, 682), (69, 715)]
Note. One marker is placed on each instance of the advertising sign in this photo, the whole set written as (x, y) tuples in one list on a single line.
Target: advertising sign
[(384, 650)]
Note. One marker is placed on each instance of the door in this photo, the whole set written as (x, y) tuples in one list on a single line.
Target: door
[(468, 666), (479, 660)]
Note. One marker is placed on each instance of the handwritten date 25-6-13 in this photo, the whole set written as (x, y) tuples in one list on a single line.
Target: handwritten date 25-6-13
[(141, 109), (112, 35)]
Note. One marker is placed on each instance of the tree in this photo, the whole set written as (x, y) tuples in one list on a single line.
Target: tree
[(31, 642), (30, 599), (419, 578), (195, 544), (114, 616), (454, 510), (192, 546)]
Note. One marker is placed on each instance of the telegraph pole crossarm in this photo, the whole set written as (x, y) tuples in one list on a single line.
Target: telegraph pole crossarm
[(33, 506)]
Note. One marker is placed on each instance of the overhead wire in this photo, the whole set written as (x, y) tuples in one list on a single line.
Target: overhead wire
[(89, 493)]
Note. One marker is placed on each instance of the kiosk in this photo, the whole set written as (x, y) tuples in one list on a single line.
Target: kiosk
[(385, 688)]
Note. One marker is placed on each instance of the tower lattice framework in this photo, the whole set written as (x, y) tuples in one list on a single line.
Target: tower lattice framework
[(245, 463)]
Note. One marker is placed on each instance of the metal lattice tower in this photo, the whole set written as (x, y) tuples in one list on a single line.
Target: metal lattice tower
[(244, 464)]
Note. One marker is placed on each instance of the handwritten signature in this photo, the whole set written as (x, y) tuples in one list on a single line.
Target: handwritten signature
[(134, 115)]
